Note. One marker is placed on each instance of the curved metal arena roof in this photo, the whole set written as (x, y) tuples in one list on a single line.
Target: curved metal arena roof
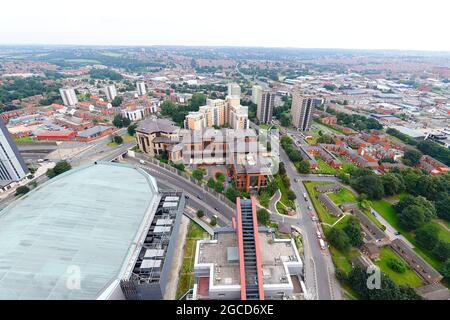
[(73, 236)]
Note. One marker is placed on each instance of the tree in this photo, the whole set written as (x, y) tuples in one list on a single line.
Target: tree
[(200, 214), (412, 217), (411, 157), (443, 206), (445, 269), (218, 186), (220, 176), (339, 239), (132, 129), (392, 183), (282, 169), (263, 216), (22, 190), (231, 194), (442, 250), (118, 121), (303, 167), (428, 236), (291, 195), (396, 265), (118, 139), (324, 138), (353, 230), (213, 221), (61, 167), (117, 101), (197, 174), (198, 99), (211, 183), (371, 185)]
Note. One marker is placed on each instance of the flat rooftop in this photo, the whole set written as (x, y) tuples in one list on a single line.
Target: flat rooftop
[(226, 271), (86, 220)]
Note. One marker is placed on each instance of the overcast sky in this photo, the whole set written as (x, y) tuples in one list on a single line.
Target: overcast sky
[(359, 24)]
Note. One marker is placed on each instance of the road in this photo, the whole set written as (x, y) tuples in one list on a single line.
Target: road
[(321, 269), (198, 197)]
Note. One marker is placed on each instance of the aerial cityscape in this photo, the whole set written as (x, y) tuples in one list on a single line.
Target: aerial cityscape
[(187, 172)]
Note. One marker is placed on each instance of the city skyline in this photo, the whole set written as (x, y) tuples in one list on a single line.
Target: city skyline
[(341, 26)]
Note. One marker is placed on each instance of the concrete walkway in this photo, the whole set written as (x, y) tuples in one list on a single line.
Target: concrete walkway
[(177, 262)]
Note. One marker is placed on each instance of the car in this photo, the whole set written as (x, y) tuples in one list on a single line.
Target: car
[(141, 161), (309, 208), (296, 180), (397, 233)]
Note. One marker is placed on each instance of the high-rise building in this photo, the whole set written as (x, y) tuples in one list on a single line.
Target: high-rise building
[(68, 96), (142, 91), (12, 166), (110, 92), (234, 89), (301, 110), (239, 117), (256, 91), (266, 102), (195, 121)]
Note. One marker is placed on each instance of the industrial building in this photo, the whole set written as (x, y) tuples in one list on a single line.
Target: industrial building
[(100, 231), (247, 262)]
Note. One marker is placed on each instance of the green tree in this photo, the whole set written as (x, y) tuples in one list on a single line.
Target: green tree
[(22, 190), (411, 157), (339, 239), (412, 217), (353, 230), (371, 185), (213, 221), (218, 186), (443, 206), (117, 101), (291, 195), (442, 250), (392, 183), (118, 139), (428, 236), (231, 194), (445, 270), (396, 265), (200, 213), (132, 129), (61, 167), (211, 183), (303, 167), (263, 216), (197, 174), (220, 176)]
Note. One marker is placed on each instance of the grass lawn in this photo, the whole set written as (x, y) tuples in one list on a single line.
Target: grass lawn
[(283, 189), (324, 128), (321, 211), (126, 138), (312, 140), (409, 277), (82, 61), (343, 260), (342, 196), (324, 167), (186, 278), (386, 210), (23, 139)]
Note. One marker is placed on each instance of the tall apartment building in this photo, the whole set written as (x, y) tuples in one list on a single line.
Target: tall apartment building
[(142, 91), (234, 90), (218, 112), (195, 121), (68, 96), (110, 92), (301, 110), (12, 166), (256, 91), (238, 117), (266, 102)]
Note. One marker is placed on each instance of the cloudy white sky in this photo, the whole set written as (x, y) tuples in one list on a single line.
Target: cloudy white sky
[(361, 24)]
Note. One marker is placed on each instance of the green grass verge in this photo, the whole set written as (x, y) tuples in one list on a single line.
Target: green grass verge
[(126, 138), (23, 139), (409, 277), (187, 277)]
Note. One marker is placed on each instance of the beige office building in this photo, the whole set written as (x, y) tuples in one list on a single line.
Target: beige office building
[(195, 121)]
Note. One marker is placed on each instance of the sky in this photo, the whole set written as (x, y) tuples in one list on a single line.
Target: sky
[(350, 24)]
